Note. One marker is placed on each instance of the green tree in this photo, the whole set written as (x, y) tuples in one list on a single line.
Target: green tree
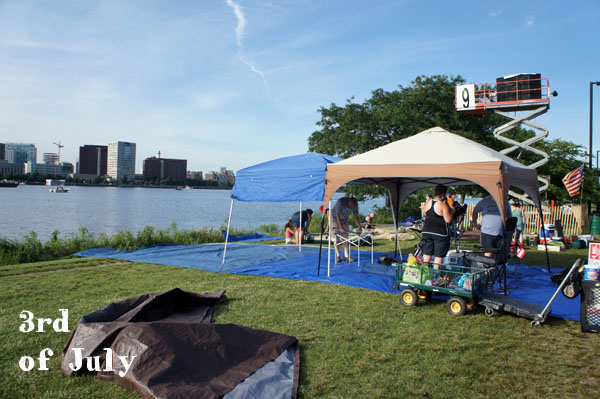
[(390, 116), (393, 115), (427, 102)]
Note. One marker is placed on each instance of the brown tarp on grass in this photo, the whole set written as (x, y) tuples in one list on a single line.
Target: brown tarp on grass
[(178, 353)]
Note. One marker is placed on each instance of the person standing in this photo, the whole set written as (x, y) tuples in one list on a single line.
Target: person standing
[(492, 224), (453, 203), (340, 213), (306, 218), (436, 235), (517, 211)]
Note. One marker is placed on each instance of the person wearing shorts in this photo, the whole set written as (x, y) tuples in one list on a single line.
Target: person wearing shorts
[(306, 218), (343, 208), (492, 224), (436, 236)]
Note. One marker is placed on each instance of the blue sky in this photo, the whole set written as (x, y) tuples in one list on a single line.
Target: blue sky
[(234, 82)]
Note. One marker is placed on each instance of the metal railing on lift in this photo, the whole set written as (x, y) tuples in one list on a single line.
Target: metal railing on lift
[(526, 94)]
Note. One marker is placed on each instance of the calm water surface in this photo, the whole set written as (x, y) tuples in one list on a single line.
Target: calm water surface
[(112, 209)]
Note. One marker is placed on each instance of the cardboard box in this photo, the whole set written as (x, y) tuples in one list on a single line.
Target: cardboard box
[(551, 248)]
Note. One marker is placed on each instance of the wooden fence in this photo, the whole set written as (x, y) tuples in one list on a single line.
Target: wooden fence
[(571, 217)]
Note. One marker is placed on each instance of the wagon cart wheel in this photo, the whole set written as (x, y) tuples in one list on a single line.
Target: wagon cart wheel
[(535, 323), (569, 291), (408, 297), (489, 312), (456, 306), (424, 294)]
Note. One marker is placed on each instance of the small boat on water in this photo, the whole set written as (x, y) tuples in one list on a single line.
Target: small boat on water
[(8, 183), (57, 186), (59, 189)]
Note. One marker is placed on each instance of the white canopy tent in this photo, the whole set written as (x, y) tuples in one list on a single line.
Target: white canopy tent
[(434, 156)]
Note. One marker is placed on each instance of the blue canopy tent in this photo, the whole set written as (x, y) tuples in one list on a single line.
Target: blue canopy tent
[(296, 178)]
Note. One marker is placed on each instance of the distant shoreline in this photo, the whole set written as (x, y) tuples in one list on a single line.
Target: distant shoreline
[(133, 186)]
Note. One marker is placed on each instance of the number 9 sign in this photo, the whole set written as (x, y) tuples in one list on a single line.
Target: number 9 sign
[(465, 97)]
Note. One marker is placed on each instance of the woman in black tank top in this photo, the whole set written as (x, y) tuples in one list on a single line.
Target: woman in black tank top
[(436, 239)]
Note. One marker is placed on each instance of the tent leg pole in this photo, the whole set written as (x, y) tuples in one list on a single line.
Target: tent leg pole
[(545, 240), (329, 240), (227, 235), (395, 216), (300, 230), (321, 245)]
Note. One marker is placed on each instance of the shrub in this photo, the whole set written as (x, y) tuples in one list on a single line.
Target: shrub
[(30, 249)]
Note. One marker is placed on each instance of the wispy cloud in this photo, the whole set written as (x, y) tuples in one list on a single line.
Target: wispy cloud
[(239, 35), (530, 22), (495, 13)]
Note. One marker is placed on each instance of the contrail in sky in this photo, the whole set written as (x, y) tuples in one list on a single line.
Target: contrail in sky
[(239, 35)]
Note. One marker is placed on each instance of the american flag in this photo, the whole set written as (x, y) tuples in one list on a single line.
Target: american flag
[(573, 180)]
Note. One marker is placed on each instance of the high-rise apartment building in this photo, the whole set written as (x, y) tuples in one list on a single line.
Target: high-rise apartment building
[(121, 160), (161, 168), (20, 152), (93, 160)]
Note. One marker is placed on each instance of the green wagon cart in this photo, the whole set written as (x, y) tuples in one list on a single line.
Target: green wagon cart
[(462, 283)]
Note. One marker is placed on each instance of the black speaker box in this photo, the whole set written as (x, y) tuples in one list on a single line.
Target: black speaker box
[(590, 306), (521, 86)]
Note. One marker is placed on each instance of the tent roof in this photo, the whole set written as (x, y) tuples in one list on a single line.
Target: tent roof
[(288, 179), (434, 156), (432, 146)]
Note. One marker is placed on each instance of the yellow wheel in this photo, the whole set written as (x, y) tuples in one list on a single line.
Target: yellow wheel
[(456, 306), (408, 297)]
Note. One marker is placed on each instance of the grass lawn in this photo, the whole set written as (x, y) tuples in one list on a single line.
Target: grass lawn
[(354, 343)]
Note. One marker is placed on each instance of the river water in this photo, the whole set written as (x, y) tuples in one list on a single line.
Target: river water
[(112, 209)]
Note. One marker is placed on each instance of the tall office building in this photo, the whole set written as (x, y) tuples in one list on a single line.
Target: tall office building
[(2, 151), (51, 158), (121, 160), (20, 152), (93, 160), (161, 168)]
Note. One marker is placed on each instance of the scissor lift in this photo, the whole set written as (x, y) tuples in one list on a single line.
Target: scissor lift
[(515, 93)]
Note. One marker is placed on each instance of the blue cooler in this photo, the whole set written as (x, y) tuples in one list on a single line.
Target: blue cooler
[(547, 232)]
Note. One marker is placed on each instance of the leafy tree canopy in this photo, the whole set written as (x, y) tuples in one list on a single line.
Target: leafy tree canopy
[(427, 102)]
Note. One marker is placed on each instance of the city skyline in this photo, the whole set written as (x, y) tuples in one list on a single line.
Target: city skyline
[(241, 82), (53, 157)]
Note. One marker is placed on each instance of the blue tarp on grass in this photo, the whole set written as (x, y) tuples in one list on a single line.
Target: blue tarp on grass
[(249, 237), (532, 283)]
